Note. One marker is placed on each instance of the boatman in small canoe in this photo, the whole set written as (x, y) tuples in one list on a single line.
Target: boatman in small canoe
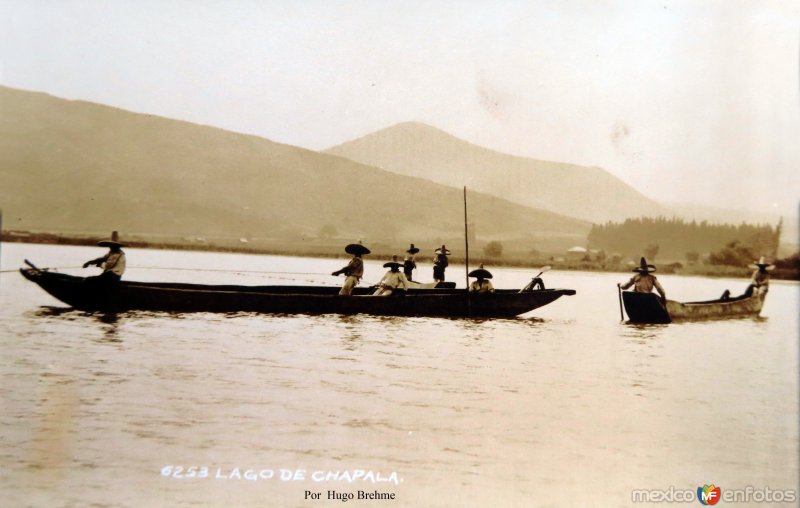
[(354, 269), (482, 284), (409, 265), (644, 281), (113, 263), (440, 263), (393, 279), (760, 280)]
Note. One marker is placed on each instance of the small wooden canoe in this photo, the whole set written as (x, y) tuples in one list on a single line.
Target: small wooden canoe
[(173, 297), (648, 308)]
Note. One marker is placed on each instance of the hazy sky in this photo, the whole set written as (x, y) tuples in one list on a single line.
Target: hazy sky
[(689, 101)]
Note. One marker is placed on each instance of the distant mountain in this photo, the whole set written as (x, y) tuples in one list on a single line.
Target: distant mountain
[(73, 166), (419, 150)]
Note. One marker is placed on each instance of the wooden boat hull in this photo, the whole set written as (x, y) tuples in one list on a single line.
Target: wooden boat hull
[(127, 295), (647, 308)]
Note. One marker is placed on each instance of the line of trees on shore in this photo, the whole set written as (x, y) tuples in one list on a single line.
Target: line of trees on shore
[(676, 239)]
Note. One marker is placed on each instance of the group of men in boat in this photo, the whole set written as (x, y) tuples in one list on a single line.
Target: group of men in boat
[(644, 281), (394, 280), (113, 265)]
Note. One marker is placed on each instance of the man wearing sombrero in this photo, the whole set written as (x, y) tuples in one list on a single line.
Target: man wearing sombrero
[(354, 269), (482, 283), (113, 263), (644, 281), (409, 265), (440, 263), (760, 279), (392, 280)]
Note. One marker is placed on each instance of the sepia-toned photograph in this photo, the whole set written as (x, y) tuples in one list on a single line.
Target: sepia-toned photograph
[(264, 253)]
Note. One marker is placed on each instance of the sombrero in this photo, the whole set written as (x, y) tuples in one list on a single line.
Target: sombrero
[(412, 249), (761, 263), (356, 249), (443, 250), (110, 243), (644, 267), (480, 273), (393, 263)]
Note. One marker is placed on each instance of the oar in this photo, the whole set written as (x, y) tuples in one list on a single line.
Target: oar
[(619, 292), (542, 270)]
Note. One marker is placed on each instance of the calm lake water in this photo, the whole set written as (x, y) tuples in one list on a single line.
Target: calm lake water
[(562, 407)]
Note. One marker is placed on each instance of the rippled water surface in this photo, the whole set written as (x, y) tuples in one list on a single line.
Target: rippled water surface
[(562, 407)]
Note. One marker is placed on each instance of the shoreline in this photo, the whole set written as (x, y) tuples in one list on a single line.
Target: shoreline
[(333, 249)]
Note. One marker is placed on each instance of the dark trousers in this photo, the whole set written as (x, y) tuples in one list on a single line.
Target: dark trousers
[(104, 281), (749, 291)]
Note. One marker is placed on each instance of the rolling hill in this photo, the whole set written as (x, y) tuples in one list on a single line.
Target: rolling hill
[(80, 167)]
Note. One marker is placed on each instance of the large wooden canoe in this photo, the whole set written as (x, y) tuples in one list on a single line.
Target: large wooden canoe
[(174, 297), (647, 308)]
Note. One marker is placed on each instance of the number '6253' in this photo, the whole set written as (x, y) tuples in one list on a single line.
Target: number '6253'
[(181, 472)]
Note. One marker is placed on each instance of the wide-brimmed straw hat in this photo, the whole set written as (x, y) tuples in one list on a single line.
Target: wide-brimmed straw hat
[(412, 249), (443, 250), (393, 263), (644, 267), (356, 249), (110, 244), (480, 273), (762, 263)]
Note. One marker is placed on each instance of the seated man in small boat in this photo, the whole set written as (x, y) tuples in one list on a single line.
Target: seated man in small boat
[(760, 279), (644, 282), (409, 265), (482, 284), (113, 263), (354, 269), (392, 280), (440, 263)]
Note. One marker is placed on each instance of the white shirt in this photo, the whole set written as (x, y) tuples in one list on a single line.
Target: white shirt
[(115, 262), (483, 286), (394, 280)]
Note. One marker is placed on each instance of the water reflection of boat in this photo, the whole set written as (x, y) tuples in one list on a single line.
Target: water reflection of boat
[(176, 297), (648, 308)]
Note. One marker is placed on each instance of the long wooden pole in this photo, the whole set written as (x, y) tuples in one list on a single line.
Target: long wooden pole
[(466, 257), (466, 238)]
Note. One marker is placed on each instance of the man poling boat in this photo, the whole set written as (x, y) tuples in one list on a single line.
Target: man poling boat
[(646, 307), (760, 279), (354, 269)]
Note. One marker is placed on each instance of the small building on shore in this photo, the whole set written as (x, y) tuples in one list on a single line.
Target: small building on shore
[(576, 253)]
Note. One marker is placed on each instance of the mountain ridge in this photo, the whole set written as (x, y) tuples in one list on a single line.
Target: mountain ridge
[(418, 149)]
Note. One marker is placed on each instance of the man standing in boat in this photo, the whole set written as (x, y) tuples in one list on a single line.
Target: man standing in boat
[(644, 281), (760, 279), (392, 280), (440, 263), (113, 263), (354, 269), (409, 265)]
